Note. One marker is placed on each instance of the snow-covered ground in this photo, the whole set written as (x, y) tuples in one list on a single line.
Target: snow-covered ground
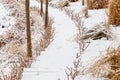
[(60, 53), (12, 29), (6, 21), (52, 62)]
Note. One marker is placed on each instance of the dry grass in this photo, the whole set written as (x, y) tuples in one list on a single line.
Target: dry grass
[(73, 72), (17, 67), (13, 44), (85, 11), (107, 66), (78, 69), (97, 4), (114, 12), (59, 4), (73, 15), (83, 44), (99, 31), (47, 36), (101, 68), (73, 0)]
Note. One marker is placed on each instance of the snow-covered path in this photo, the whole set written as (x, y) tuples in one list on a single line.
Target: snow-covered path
[(52, 62)]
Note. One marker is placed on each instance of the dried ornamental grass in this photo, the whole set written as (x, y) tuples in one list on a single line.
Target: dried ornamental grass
[(97, 4), (18, 47), (114, 12), (23, 61), (73, 0), (59, 4), (108, 66)]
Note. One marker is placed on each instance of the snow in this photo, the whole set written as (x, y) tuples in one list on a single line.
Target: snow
[(34, 3), (96, 17), (2, 9), (52, 62), (6, 21), (10, 50), (59, 54), (95, 49)]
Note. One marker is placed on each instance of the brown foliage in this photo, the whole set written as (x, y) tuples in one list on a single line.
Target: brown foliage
[(97, 4), (16, 46), (60, 4), (73, 0), (114, 12), (107, 66)]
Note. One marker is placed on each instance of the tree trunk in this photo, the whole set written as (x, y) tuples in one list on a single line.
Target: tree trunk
[(29, 46), (46, 14), (83, 2), (41, 11)]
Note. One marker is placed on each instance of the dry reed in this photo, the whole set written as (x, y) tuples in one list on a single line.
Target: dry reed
[(114, 12), (97, 4), (107, 66), (16, 67), (78, 69)]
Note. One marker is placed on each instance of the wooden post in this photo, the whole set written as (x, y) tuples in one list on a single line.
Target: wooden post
[(46, 14), (29, 46), (83, 3), (41, 11)]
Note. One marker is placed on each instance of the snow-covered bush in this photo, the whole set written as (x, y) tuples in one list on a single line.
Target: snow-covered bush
[(107, 66), (59, 4), (73, 0), (77, 69), (14, 49)]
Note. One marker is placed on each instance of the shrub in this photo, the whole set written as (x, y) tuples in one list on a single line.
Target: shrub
[(114, 12), (59, 4), (73, 0), (97, 4), (107, 66)]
